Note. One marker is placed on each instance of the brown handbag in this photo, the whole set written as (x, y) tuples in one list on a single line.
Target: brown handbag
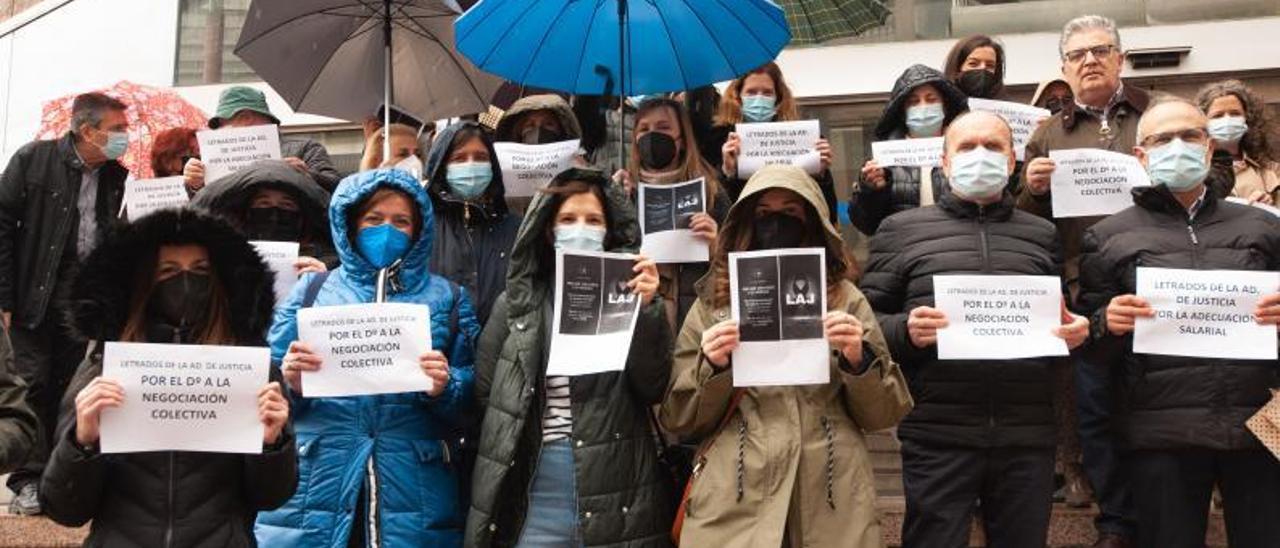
[(700, 460)]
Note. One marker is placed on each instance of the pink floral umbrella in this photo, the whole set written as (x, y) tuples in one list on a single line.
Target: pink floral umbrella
[(151, 111)]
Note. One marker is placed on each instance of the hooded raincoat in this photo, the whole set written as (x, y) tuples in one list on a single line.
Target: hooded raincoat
[(388, 453), (623, 499), (791, 468)]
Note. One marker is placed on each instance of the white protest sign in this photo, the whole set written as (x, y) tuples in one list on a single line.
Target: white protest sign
[(225, 151), (785, 143), (366, 348), (1089, 182), (665, 213), (999, 317), (1245, 201), (181, 397), (908, 152), (595, 313), (779, 297), (526, 169), (1205, 313), (144, 196), (279, 257), (1023, 119)]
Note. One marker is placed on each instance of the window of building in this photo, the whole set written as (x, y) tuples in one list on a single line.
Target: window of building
[(207, 34)]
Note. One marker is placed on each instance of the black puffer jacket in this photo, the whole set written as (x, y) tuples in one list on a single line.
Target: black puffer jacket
[(869, 207), (232, 195), (165, 498), (1172, 402), (622, 498), (39, 220), (967, 403), (473, 238)]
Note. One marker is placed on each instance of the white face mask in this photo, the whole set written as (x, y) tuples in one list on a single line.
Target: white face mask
[(412, 165), (580, 237), (1228, 129), (979, 174)]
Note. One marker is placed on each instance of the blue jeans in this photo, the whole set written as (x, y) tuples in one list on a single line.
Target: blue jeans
[(1104, 463), (552, 518)]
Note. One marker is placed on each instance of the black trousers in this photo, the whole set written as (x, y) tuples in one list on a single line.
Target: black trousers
[(1171, 491), (46, 358), (1012, 486)]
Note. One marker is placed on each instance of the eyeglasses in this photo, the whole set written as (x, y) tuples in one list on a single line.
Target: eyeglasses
[(1195, 136), (1099, 52)]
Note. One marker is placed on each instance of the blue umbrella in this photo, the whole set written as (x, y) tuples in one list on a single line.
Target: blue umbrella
[(581, 46)]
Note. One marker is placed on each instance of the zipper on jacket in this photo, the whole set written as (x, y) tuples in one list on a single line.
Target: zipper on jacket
[(168, 531), (1195, 244), (372, 506), (982, 234)]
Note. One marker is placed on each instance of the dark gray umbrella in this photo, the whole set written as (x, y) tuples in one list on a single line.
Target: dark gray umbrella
[(345, 58)]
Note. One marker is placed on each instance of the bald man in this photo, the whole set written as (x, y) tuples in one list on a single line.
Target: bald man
[(982, 430), (1182, 419)]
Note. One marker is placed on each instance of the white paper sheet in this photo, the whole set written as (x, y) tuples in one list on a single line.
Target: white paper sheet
[(144, 196), (595, 313), (665, 211), (785, 143), (366, 348), (1205, 313), (225, 151), (1023, 119), (999, 317), (779, 298), (1088, 181), (526, 169), (182, 397), (908, 152), (279, 257)]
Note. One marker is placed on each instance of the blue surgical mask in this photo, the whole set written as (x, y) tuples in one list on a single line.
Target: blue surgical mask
[(759, 108), (979, 174), (925, 120), (579, 237), (1228, 129), (469, 179), (117, 143), (382, 245), (1178, 165)]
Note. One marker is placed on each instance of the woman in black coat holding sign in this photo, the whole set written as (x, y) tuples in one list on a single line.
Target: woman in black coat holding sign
[(176, 276), (569, 461)]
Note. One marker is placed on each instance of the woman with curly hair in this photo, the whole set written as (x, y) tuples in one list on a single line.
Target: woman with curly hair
[(1239, 125)]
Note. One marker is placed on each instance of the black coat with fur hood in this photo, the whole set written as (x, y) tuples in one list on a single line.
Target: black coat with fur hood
[(164, 498)]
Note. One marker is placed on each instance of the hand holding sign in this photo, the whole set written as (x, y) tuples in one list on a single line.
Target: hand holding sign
[(729, 154), (844, 332), (273, 411), (1039, 173), (436, 367), (98, 395), (299, 358), (923, 324), (719, 342), (1122, 310), (645, 283), (1268, 310), (1074, 329)]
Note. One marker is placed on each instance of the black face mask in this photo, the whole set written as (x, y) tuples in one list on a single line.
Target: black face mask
[(777, 231), (273, 224), (657, 150), (1056, 104), (538, 135), (181, 301), (978, 83)]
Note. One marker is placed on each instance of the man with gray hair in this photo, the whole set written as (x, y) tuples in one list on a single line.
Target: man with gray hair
[(57, 200), (1104, 116)]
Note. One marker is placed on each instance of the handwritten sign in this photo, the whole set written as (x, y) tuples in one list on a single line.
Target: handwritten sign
[(225, 151), (279, 257), (779, 143), (595, 313), (1205, 313), (182, 397), (1089, 182), (779, 297), (999, 317), (144, 196), (366, 348), (526, 169), (908, 152), (1022, 119)]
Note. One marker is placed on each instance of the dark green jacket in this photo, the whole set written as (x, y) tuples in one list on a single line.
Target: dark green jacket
[(623, 500), (17, 422)]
